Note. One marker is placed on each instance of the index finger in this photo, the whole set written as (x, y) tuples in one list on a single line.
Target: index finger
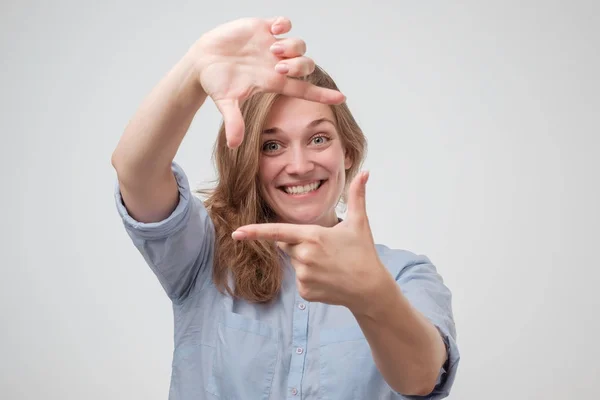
[(279, 232), (294, 87)]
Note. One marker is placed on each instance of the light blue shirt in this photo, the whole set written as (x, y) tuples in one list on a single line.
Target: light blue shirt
[(287, 349)]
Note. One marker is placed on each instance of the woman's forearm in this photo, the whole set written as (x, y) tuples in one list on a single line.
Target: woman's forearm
[(407, 348), (153, 136), (143, 156)]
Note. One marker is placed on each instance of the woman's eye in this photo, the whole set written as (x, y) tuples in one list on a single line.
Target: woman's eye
[(270, 146), (320, 139)]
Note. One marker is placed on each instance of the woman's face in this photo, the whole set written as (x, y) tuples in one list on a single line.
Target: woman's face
[(302, 162)]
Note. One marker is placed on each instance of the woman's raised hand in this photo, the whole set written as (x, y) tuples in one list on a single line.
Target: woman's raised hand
[(243, 57)]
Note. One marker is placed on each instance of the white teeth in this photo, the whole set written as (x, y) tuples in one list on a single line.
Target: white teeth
[(302, 189)]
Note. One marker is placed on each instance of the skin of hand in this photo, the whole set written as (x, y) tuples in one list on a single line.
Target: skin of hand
[(334, 265), (243, 57)]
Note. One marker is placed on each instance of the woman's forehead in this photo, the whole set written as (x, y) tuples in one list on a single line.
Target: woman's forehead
[(292, 114)]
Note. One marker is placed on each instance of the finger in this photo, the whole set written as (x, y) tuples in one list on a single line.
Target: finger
[(301, 253), (234, 122), (286, 247), (305, 90), (279, 25), (294, 251), (296, 67), (357, 204), (289, 47), (279, 232)]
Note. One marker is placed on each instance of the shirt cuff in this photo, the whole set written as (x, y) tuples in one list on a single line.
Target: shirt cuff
[(169, 225)]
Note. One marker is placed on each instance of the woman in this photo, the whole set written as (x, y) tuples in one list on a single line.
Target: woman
[(273, 295)]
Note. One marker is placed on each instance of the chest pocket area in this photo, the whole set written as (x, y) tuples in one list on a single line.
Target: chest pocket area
[(245, 359), (347, 370)]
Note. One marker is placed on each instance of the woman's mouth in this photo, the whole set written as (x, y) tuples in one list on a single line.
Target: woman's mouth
[(298, 190)]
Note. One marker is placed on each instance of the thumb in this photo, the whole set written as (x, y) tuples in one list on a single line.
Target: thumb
[(234, 122), (357, 204)]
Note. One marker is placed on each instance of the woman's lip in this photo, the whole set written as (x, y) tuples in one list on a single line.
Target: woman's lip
[(321, 181), (302, 195)]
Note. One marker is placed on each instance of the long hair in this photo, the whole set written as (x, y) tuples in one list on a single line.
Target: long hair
[(236, 200)]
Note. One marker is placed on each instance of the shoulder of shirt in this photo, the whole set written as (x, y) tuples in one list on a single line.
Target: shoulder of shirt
[(397, 260)]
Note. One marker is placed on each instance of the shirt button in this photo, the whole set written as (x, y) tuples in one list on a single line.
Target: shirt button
[(302, 306), (299, 350), (294, 391)]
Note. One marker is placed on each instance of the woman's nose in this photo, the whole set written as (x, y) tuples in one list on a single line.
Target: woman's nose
[(299, 163)]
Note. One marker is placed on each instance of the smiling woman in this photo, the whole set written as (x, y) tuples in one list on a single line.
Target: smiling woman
[(274, 295)]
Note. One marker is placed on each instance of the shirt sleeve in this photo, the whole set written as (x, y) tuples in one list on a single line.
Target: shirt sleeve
[(178, 249), (424, 288)]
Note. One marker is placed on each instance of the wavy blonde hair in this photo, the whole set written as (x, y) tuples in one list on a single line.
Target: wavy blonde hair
[(236, 200)]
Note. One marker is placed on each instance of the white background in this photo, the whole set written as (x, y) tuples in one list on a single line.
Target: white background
[(482, 119)]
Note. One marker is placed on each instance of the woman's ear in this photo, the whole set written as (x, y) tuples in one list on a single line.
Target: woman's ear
[(347, 160)]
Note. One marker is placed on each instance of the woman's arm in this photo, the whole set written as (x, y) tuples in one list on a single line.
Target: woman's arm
[(143, 156), (407, 348)]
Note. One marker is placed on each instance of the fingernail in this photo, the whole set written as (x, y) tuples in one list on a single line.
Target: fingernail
[(238, 235), (277, 26), (277, 48), (282, 68)]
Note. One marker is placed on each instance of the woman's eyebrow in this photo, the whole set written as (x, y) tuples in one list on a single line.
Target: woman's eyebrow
[(310, 125)]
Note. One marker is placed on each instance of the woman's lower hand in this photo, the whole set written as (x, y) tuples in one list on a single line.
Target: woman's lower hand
[(337, 265)]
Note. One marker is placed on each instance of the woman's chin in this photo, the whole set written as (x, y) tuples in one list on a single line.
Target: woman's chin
[(317, 216)]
